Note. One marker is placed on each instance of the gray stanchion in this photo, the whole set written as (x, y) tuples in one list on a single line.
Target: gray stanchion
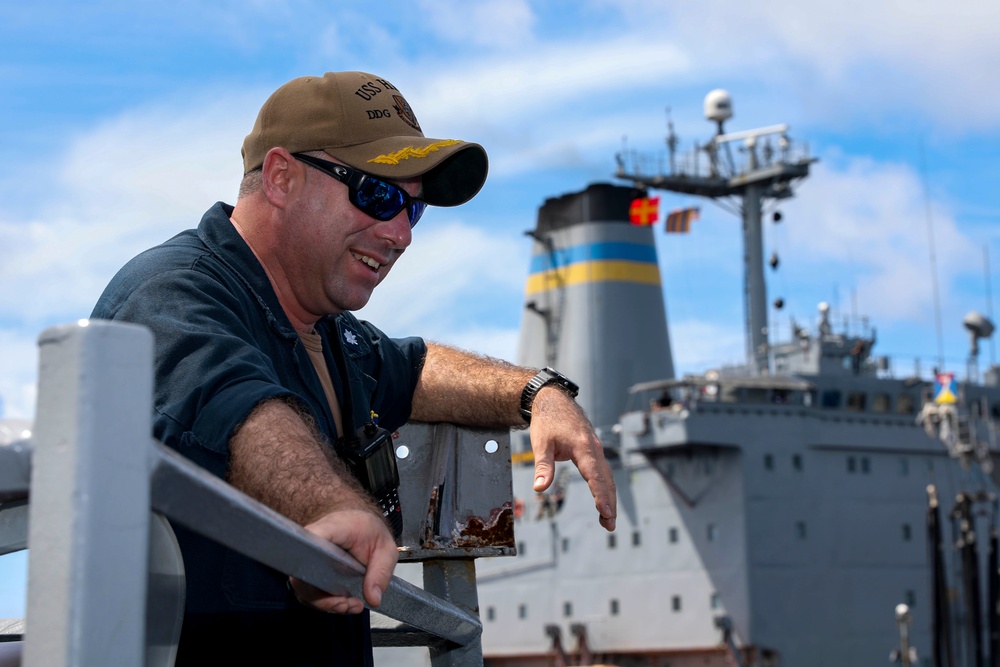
[(89, 513)]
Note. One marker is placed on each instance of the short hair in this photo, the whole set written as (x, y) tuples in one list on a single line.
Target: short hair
[(251, 183)]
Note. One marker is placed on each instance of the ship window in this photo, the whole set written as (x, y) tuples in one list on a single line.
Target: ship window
[(830, 399), (675, 603), (520, 549), (904, 466), (907, 532), (797, 461), (866, 466), (673, 535), (995, 410), (768, 462), (636, 538), (800, 529), (712, 532), (714, 601), (904, 404), (522, 611), (611, 541), (856, 401), (880, 403), (911, 598), (565, 544), (614, 607), (852, 464), (755, 395), (567, 609), (491, 614)]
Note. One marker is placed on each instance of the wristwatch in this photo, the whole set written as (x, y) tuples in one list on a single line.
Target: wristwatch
[(545, 376)]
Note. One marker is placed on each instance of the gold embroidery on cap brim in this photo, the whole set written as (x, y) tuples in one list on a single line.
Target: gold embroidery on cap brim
[(411, 151)]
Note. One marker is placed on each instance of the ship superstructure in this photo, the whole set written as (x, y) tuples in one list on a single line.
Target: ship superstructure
[(769, 514)]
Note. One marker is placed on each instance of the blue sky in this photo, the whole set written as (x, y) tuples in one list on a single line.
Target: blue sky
[(122, 122)]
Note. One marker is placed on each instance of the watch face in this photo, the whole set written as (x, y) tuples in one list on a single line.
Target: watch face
[(563, 381)]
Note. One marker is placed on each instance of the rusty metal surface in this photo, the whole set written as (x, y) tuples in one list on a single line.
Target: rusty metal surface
[(455, 491)]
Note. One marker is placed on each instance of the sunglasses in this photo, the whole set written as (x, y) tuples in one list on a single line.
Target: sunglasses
[(375, 197)]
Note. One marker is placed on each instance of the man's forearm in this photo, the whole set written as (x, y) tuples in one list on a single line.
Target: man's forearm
[(277, 457), (465, 388)]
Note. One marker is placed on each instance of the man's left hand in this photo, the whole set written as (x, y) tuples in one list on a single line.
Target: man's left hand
[(560, 431)]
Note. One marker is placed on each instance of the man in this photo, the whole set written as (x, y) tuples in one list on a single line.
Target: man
[(260, 367)]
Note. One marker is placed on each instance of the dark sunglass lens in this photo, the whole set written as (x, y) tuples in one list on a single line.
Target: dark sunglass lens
[(417, 208), (380, 199)]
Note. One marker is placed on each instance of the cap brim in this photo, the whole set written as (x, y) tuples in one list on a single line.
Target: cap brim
[(452, 172)]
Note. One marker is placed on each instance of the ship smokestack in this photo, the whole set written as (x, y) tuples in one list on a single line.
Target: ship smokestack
[(594, 306)]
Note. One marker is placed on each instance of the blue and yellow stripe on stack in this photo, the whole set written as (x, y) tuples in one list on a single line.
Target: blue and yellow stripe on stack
[(592, 263)]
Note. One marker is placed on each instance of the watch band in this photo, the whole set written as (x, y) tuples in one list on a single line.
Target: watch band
[(545, 376)]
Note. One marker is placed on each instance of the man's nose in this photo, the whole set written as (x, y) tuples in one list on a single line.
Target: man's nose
[(396, 230)]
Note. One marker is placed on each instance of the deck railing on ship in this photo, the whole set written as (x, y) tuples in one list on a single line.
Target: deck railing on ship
[(106, 580)]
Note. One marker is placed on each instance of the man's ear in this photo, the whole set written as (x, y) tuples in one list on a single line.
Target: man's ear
[(281, 174)]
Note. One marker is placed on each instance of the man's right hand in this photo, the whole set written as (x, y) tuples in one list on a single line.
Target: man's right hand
[(277, 457), (367, 538)]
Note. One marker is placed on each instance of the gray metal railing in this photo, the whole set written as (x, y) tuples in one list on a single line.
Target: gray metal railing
[(101, 553)]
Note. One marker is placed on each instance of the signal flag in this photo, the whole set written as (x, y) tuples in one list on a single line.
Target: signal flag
[(681, 219), (945, 389), (644, 210)]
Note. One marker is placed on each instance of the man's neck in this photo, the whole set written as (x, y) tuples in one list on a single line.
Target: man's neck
[(244, 224)]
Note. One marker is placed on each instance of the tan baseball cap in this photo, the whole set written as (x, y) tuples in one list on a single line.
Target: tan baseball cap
[(365, 122)]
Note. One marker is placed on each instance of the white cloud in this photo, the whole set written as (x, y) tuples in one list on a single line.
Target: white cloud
[(528, 93), (132, 182), (490, 23), (698, 345), (869, 62), (18, 374), (443, 286), (872, 220)]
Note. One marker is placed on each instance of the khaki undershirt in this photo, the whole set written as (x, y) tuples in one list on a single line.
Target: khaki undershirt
[(314, 346)]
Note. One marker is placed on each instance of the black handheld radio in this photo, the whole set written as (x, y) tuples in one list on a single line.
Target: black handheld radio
[(368, 450), (372, 460)]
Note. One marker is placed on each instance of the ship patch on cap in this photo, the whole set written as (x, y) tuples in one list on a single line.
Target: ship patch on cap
[(405, 112)]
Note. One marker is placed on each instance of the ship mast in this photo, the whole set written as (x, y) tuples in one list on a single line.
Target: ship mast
[(764, 167)]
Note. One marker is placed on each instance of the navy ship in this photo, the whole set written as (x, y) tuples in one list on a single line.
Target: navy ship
[(809, 507)]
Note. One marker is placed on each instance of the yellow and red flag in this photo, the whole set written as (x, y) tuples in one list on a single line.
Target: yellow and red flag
[(681, 219), (644, 210)]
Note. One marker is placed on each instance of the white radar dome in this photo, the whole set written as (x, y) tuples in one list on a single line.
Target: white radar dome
[(978, 324), (718, 105)]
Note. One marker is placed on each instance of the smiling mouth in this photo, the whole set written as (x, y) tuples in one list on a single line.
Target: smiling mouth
[(372, 264)]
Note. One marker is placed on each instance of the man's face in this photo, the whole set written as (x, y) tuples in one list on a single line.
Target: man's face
[(338, 252)]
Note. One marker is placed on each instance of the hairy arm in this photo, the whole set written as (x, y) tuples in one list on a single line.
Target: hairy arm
[(278, 458), (464, 388)]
